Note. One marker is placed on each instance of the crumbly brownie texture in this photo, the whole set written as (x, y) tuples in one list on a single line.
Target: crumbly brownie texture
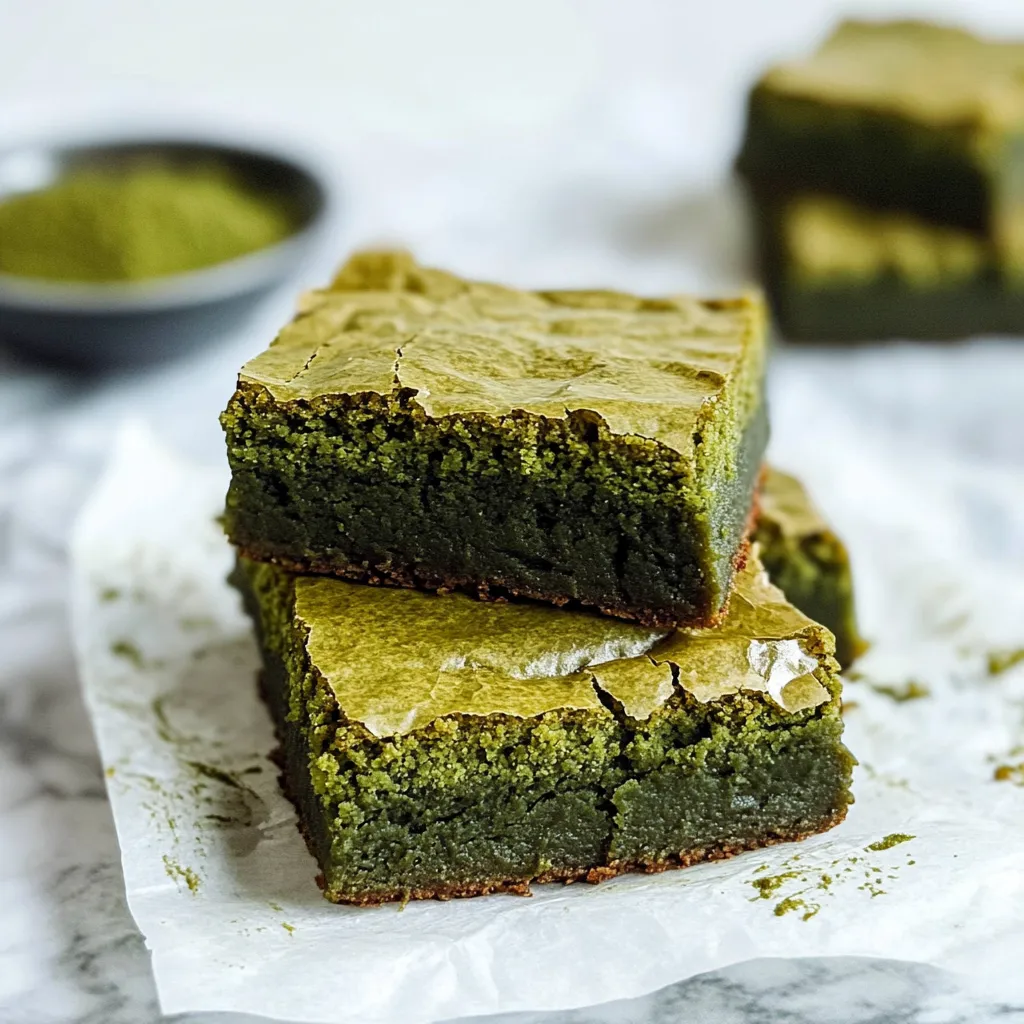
[(413, 428), (437, 746), (807, 561), (838, 272), (900, 114)]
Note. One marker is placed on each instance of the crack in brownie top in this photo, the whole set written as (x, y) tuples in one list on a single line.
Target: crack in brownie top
[(645, 367), (397, 660)]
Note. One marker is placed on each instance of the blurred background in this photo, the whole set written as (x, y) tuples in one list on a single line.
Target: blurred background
[(538, 142), (553, 142), (545, 142)]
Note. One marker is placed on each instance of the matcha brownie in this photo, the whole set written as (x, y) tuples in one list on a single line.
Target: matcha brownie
[(807, 561), (437, 746), (413, 428), (838, 272), (902, 114)]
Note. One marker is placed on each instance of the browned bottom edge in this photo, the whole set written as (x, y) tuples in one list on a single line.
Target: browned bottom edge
[(497, 590), (390, 576), (593, 875)]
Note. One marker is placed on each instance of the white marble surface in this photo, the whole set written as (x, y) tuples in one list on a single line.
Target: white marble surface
[(577, 149)]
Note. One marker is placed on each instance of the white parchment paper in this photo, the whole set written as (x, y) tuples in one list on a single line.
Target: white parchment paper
[(221, 884)]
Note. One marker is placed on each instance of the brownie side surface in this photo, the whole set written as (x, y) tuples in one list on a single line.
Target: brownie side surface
[(902, 114), (437, 746), (572, 446), (807, 561)]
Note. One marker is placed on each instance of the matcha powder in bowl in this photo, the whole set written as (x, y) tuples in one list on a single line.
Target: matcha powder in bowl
[(129, 252), (136, 222)]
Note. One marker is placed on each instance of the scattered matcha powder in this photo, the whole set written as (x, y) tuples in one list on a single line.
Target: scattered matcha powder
[(290, 929), (178, 873), (1003, 660), (870, 887), (910, 690), (791, 903), (889, 841), (108, 594), (768, 886), (163, 726), (127, 650), (217, 774), (1010, 773), (811, 881)]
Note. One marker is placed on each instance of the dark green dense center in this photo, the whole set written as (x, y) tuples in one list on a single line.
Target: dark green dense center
[(556, 509)]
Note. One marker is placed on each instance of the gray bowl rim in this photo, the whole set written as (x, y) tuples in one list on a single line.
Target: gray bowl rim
[(219, 281)]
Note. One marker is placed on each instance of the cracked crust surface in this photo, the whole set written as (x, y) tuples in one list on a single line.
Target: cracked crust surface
[(535, 444), (524, 887)]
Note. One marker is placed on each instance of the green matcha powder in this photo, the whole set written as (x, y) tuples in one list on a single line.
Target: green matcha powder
[(138, 221)]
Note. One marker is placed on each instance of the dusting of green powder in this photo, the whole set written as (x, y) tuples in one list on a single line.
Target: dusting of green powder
[(910, 690), (136, 221), (1003, 660), (127, 650), (768, 885), (182, 874), (891, 840)]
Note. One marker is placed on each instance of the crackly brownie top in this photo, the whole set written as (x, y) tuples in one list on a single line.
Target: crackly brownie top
[(398, 659), (829, 238), (786, 505), (645, 366), (934, 73)]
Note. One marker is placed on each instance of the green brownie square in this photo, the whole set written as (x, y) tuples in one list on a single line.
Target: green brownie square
[(900, 114), (835, 271), (438, 746), (414, 428), (807, 561)]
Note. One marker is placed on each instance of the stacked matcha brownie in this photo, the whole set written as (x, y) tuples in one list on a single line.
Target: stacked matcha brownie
[(497, 548), (887, 174)]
